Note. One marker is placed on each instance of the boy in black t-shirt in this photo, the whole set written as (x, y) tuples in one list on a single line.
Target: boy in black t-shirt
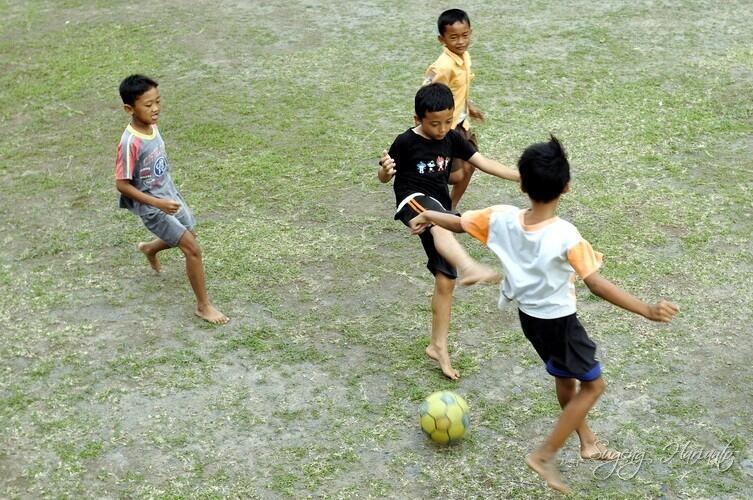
[(420, 160)]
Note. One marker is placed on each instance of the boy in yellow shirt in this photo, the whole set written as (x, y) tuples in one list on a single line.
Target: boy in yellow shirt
[(453, 68)]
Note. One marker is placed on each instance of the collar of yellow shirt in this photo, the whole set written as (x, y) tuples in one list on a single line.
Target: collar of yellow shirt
[(460, 61)]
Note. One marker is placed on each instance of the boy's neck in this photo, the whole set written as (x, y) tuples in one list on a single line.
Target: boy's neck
[(142, 127), (418, 130), (461, 55), (541, 211)]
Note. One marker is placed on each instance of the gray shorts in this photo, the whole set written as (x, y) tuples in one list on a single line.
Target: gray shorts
[(169, 228)]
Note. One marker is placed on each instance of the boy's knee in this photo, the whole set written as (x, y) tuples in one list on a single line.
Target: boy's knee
[(190, 246), (193, 251), (566, 383), (462, 174), (443, 285), (602, 384), (596, 387)]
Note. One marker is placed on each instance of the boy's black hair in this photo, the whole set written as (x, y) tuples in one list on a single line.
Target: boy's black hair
[(433, 97), (450, 17), (133, 86), (544, 170)]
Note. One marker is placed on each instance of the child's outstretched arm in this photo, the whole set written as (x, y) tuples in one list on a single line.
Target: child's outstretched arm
[(493, 167), (662, 311), (386, 167), (424, 220)]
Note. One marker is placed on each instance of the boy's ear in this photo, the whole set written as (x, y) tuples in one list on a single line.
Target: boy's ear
[(416, 120), (440, 39), (567, 188), (128, 108)]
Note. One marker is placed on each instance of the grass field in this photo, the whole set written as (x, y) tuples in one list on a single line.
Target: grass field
[(274, 114)]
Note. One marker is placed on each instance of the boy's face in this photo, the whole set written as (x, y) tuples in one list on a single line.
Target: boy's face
[(456, 37), (145, 111), (436, 124)]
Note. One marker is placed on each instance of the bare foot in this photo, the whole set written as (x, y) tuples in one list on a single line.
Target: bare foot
[(443, 358), (598, 451), (151, 257), (548, 472), (212, 315), (478, 273)]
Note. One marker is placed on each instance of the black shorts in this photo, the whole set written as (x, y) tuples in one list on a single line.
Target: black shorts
[(563, 344), (436, 263)]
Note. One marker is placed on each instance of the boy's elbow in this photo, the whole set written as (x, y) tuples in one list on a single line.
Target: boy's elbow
[(121, 184), (593, 282)]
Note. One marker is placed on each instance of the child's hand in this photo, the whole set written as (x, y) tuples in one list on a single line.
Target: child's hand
[(475, 112), (419, 224), (170, 207), (662, 311), (386, 166)]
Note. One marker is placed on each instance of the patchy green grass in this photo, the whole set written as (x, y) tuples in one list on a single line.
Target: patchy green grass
[(273, 118)]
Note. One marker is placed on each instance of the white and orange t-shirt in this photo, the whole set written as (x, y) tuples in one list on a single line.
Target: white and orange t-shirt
[(540, 261)]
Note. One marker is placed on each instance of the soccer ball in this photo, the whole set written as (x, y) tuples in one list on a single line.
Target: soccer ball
[(444, 417)]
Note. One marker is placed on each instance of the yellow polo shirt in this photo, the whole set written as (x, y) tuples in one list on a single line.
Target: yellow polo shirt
[(455, 72)]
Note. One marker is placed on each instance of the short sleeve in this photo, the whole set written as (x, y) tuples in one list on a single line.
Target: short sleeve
[(396, 149), (461, 147), (584, 259), (437, 73), (476, 223), (128, 150)]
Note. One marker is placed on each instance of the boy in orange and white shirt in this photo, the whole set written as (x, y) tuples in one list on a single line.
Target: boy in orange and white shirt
[(541, 255)]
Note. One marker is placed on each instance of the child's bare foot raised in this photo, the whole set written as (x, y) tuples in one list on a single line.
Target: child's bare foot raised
[(598, 451), (478, 273), (150, 256), (547, 471), (443, 358), (212, 315)]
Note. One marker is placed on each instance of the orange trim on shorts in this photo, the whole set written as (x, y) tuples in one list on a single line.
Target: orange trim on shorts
[(416, 206)]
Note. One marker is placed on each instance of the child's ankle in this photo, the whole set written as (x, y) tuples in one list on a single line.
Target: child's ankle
[(544, 454)]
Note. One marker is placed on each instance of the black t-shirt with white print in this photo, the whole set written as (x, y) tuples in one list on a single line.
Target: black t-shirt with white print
[(423, 165)]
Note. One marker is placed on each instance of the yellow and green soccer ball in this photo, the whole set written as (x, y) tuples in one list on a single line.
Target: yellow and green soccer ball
[(444, 417)]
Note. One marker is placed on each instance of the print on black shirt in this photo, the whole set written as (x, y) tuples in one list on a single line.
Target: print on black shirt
[(423, 165)]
